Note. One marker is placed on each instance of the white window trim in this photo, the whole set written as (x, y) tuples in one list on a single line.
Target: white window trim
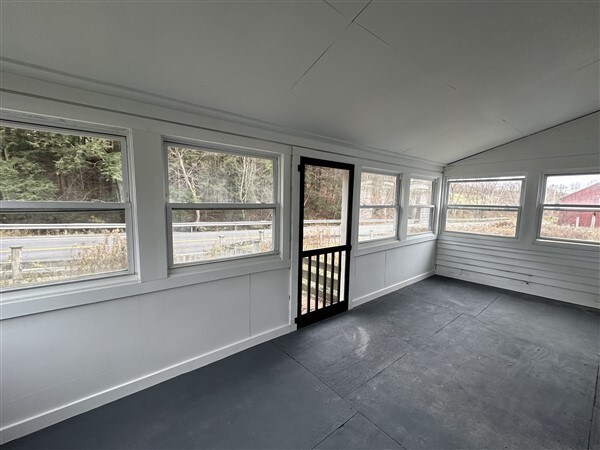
[(569, 243), (433, 207), (276, 207), (385, 240), (518, 209), (76, 129), (144, 137)]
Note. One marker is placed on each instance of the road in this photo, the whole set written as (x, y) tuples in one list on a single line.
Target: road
[(66, 247), (63, 248)]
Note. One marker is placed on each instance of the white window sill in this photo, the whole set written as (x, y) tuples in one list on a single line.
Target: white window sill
[(217, 270), (41, 299), (378, 242), (478, 237), (366, 248), (421, 236), (37, 299), (584, 246)]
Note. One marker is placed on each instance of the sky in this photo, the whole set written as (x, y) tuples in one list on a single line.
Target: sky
[(577, 181)]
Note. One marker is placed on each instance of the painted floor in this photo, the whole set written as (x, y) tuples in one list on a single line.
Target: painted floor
[(439, 364)]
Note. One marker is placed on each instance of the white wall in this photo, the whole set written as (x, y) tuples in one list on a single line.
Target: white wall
[(70, 348), (567, 272), (379, 273)]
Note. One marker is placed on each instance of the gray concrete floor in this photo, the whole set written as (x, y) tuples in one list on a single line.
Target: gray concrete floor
[(439, 364)]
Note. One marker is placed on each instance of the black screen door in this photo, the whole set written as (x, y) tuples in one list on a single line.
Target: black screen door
[(324, 239)]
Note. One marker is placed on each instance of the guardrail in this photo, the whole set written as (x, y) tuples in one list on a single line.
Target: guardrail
[(477, 220), (111, 226), (61, 226)]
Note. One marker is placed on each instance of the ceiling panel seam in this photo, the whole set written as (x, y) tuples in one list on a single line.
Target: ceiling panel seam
[(374, 151), (330, 5), (505, 122), (538, 158), (523, 137), (374, 35), (318, 59), (585, 66), (362, 10), (330, 45), (511, 125), (177, 104)]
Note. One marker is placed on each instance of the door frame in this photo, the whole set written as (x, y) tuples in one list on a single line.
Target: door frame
[(298, 254)]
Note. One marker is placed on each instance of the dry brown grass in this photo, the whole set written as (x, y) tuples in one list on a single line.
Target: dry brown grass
[(554, 231), (495, 228), (110, 255)]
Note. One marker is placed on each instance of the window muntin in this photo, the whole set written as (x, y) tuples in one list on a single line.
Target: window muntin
[(570, 209), (379, 207), (421, 207), (65, 213), (488, 207), (221, 204)]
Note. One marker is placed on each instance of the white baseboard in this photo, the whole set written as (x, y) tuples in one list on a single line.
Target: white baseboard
[(563, 295), (394, 287), (47, 418)]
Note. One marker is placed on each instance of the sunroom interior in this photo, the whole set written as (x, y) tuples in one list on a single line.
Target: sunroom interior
[(373, 223)]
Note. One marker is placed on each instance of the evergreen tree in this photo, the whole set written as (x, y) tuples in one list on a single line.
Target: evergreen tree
[(41, 165)]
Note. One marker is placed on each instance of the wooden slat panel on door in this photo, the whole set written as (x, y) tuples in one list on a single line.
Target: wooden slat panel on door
[(324, 259)]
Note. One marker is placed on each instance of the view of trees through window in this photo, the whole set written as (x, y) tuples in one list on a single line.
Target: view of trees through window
[(63, 210), (65, 205), (378, 206), (420, 206), (222, 204), (489, 207), (324, 225), (571, 209), (323, 196)]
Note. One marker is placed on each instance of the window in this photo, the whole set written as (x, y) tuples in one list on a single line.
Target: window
[(222, 205), (421, 206), (484, 206), (570, 208), (65, 211), (378, 206)]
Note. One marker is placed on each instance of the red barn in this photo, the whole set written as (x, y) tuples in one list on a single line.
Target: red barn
[(586, 196)]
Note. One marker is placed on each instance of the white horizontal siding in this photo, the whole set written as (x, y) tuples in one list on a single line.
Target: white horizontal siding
[(542, 271), (518, 272), (542, 290), (570, 273), (585, 261)]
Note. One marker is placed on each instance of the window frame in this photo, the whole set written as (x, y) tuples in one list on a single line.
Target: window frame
[(396, 206), (75, 128), (276, 206), (557, 207), (432, 206), (518, 209)]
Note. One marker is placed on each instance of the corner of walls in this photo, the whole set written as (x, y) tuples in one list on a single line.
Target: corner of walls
[(565, 272), (163, 327)]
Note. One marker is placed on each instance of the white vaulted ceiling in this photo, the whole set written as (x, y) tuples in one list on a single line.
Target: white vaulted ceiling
[(437, 80)]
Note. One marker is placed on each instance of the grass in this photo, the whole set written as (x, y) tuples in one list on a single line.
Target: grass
[(107, 256)]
